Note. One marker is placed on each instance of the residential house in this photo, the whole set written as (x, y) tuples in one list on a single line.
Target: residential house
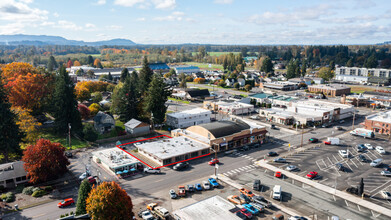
[(230, 82), (137, 127), (12, 174), (241, 82), (197, 94), (103, 122)]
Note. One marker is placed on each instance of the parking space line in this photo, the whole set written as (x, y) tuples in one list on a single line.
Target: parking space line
[(359, 161), (349, 166), (331, 162), (347, 204), (381, 185), (372, 154), (366, 154), (353, 163), (323, 180), (318, 165)]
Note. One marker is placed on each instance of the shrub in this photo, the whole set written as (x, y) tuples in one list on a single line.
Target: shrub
[(48, 188), (38, 193), (62, 216), (36, 189), (90, 133), (8, 197), (28, 190), (3, 196)]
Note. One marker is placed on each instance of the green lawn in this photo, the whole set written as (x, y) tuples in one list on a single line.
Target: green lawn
[(76, 143), (95, 55), (179, 100), (205, 66), (360, 89)]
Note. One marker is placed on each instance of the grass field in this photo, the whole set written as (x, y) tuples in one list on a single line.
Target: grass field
[(178, 100), (76, 143), (216, 53), (205, 66), (360, 89)]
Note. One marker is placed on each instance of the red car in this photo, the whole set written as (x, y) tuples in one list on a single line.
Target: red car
[(92, 180), (278, 174), (312, 175), (214, 161), (246, 213), (66, 202), (327, 142)]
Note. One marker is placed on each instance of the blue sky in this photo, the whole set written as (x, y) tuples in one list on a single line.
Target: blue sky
[(203, 21)]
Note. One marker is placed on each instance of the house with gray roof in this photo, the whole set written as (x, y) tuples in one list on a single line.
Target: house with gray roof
[(103, 122), (137, 127), (12, 174)]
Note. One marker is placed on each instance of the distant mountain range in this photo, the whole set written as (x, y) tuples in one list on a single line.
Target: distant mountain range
[(21, 39)]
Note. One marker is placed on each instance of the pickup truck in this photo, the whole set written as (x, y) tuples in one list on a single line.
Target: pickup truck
[(158, 211), (151, 170), (181, 191)]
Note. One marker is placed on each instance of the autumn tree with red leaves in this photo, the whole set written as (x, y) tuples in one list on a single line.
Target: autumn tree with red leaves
[(69, 63), (84, 111), (45, 161), (109, 201)]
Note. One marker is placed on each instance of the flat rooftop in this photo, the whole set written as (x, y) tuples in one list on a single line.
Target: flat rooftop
[(330, 86), (172, 147), (114, 157), (189, 113), (215, 208), (384, 117)]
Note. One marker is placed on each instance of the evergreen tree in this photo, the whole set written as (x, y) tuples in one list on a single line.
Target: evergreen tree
[(303, 68), (267, 65), (182, 81), (52, 64), (90, 60), (65, 105), (290, 73), (110, 77), (156, 99), (128, 100), (332, 65), (84, 190), (371, 62), (350, 63), (10, 134), (124, 74), (146, 74)]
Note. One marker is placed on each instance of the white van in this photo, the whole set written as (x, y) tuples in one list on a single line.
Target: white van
[(376, 163), (277, 192)]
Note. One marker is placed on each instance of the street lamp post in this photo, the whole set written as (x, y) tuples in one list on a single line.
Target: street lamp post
[(69, 135), (216, 163)]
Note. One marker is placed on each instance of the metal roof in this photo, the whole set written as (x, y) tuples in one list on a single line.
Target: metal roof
[(225, 128)]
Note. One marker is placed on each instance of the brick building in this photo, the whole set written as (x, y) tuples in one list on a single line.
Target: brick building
[(330, 89), (379, 122)]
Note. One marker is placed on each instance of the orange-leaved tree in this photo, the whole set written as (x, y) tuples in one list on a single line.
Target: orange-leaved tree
[(76, 63), (27, 91), (109, 201), (15, 69), (45, 161)]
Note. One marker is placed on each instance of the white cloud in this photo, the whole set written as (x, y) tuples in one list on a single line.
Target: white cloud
[(158, 4), (101, 2), (89, 25), (140, 19), (175, 16), (12, 28), (63, 24), (20, 11), (114, 27), (47, 23), (364, 4), (164, 4), (223, 2), (55, 14)]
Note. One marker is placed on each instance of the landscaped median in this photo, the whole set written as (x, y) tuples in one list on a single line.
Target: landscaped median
[(330, 190)]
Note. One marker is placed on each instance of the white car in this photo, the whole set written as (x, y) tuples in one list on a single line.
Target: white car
[(84, 175), (385, 173), (369, 146), (173, 194), (343, 153), (255, 117), (151, 170), (386, 195), (146, 215), (380, 150), (206, 185), (257, 206), (291, 167)]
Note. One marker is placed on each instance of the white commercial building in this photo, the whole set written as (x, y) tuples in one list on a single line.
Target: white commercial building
[(360, 75), (186, 69), (188, 118), (215, 208), (234, 108)]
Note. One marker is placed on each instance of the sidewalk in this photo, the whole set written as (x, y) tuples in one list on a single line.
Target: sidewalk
[(327, 189), (234, 184)]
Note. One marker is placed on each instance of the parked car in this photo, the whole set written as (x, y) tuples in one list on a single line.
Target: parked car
[(92, 179), (84, 175), (246, 192), (190, 188), (360, 148), (340, 167), (369, 146), (241, 215), (258, 206), (66, 202), (152, 170), (181, 191), (181, 166), (385, 173), (279, 160), (244, 198), (206, 185), (198, 187), (213, 182), (312, 175), (278, 174), (214, 161), (68, 154), (173, 194), (291, 168), (386, 195), (313, 140), (343, 153), (338, 128), (272, 154), (257, 185), (362, 158), (376, 163), (251, 209), (342, 121), (255, 117), (273, 127), (246, 213), (147, 215), (278, 216), (380, 150), (235, 199), (261, 200)]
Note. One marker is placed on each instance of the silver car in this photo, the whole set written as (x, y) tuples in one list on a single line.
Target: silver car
[(279, 160), (291, 168), (257, 206), (385, 173)]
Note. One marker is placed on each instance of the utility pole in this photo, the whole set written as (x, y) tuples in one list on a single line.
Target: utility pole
[(302, 133), (69, 135), (216, 166), (354, 115)]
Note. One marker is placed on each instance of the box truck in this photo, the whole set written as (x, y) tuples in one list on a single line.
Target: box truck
[(363, 133)]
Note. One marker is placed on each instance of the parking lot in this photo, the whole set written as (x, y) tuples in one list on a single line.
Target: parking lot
[(323, 159)]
